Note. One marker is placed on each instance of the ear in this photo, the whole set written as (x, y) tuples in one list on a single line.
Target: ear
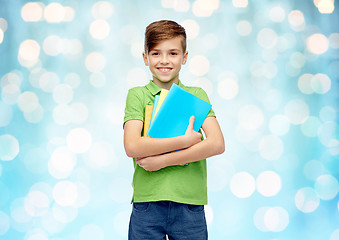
[(144, 56), (184, 59)]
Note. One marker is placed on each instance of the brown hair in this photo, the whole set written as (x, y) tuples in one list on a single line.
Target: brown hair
[(163, 30)]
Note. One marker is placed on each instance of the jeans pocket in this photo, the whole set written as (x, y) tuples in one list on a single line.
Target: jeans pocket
[(195, 208), (141, 206)]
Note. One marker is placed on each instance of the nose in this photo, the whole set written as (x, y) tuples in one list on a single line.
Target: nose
[(164, 59)]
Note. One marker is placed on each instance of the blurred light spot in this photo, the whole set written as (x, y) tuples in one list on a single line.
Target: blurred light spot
[(35, 116), (6, 114), (28, 101), (64, 214), (192, 28), (120, 190), (244, 28), (296, 20), (334, 40), (326, 6), (272, 100), (268, 183), (99, 29), (209, 214), (240, 3), (91, 231), (72, 79), (199, 65), (102, 10), (182, 5), (1, 36), (277, 14), (307, 200), (286, 41), (54, 13), (326, 186), (120, 224), (4, 223), (52, 45), (10, 93), (304, 83), (29, 51), (317, 43), (69, 14), (36, 203), (65, 193), (32, 11), (297, 60), (61, 163), (244, 135), (115, 112), (271, 147), (204, 8), (313, 169), (291, 70), (79, 140), (18, 212), (270, 55), (35, 75), (267, 38), (228, 88), (276, 219), (270, 70), (137, 77), (242, 185), (259, 217), (3, 24), (130, 34), (62, 114), (48, 81), (63, 94), (327, 133), (250, 117), (97, 79), (79, 112), (310, 127), (327, 113), (297, 111), (102, 156), (279, 125), (36, 234), (334, 235), (321, 83), (95, 62), (220, 173)]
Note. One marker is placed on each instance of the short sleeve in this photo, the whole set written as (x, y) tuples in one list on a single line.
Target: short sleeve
[(134, 109), (203, 95)]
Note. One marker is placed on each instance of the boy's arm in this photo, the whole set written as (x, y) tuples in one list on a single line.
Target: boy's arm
[(140, 147), (212, 145)]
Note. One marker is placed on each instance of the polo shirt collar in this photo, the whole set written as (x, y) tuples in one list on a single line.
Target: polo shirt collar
[(155, 89)]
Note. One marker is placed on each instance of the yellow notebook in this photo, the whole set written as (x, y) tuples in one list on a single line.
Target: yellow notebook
[(162, 97), (148, 115)]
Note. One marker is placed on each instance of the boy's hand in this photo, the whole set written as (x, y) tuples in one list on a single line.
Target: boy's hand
[(152, 163), (192, 136)]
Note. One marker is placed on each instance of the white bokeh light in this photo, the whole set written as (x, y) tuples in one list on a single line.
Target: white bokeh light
[(102, 10), (276, 219), (61, 163), (199, 65), (242, 184), (29, 52), (99, 29), (296, 20), (192, 28), (307, 200), (37, 203), (32, 11), (326, 186), (137, 77), (9, 147), (95, 62), (277, 14), (317, 43), (54, 13), (48, 81), (250, 117), (267, 38), (228, 88), (204, 8), (268, 183), (5, 223), (65, 193), (244, 28), (297, 111), (271, 147), (279, 125), (28, 101), (79, 140), (63, 94)]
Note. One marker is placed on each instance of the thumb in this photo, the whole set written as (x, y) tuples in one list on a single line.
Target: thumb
[(191, 122)]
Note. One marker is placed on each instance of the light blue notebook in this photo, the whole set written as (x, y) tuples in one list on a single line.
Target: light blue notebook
[(173, 117), (156, 99)]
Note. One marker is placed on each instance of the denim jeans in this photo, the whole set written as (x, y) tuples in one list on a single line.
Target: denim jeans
[(155, 220)]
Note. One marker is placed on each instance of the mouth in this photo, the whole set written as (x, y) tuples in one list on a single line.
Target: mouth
[(164, 69)]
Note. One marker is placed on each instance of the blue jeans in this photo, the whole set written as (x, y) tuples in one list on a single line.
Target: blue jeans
[(155, 220)]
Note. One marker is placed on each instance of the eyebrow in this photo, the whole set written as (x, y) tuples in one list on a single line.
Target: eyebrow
[(173, 49)]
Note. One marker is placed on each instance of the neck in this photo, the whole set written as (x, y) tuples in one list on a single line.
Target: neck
[(165, 85)]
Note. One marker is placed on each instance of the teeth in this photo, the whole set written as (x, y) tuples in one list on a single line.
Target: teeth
[(164, 69)]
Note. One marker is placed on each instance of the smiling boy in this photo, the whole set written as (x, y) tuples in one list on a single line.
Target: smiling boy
[(168, 198)]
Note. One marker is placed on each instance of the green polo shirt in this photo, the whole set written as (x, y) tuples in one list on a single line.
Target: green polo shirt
[(183, 184)]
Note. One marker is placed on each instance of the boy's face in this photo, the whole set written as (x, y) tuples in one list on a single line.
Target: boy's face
[(165, 61)]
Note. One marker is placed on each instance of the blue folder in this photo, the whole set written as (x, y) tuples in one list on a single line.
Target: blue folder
[(173, 116)]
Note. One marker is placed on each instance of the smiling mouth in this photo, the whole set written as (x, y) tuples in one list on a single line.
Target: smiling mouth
[(164, 69)]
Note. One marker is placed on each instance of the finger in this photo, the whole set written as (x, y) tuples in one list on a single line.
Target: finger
[(191, 122)]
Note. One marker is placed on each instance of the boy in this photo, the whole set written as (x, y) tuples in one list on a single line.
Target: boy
[(168, 197)]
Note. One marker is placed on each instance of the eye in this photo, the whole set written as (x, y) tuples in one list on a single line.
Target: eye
[(155, 54), (174, 53)]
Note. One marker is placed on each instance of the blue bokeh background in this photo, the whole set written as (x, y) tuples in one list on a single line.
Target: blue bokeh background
[(271, 69)]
